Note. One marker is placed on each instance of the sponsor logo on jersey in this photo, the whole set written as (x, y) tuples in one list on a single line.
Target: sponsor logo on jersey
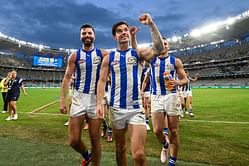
[(116, 62), (81, 61)]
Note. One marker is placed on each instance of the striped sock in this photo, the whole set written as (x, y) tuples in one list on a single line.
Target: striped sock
[(172, 161), (86, 155), (165, 143), (166, 131), (147, 120)]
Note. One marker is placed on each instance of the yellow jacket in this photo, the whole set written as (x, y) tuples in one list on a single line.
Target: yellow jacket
[(2, 87)]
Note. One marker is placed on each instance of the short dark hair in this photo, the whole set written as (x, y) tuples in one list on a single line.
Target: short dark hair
[(87, 26), (114, 26)]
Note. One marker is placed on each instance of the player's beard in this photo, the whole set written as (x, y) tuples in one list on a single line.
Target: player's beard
[(165, 51), (87, 42)]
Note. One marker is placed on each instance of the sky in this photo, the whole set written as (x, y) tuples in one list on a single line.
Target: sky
[(56, 23)]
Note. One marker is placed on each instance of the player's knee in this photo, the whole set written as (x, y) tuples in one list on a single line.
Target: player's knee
[(121, 148), (12, 104), (95, 138), (157, 131), (139, 156), (174, 133)]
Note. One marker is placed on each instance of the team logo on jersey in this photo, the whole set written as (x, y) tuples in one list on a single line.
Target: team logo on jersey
[(132, 61), (96, 60), (170, 66), (81, 61), (115, 63)]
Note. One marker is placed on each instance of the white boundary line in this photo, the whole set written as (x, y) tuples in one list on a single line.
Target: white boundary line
[(42, 107), (182, 120), (215, 121), (45, 113), (37, 111)]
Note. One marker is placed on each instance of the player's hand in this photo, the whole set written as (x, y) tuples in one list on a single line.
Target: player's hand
[(100, 112), (145, 19), (171, 83), (197, 75), (142, 93), (133, 30), (63, 108)]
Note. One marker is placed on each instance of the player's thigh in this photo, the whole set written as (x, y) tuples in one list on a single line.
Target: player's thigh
[(173, 122), (137, 135), (94, 128), (75, 127), (158, 119), (120, 138)]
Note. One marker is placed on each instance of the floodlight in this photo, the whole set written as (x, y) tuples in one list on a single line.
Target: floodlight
[(195, 33)]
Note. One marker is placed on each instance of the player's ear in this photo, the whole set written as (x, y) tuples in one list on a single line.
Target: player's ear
[(114, 37)]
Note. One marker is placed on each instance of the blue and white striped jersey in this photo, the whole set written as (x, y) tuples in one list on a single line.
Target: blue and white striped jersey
[(145, 72), (187, 87), (125, 70), (158, 66), (87, 70)]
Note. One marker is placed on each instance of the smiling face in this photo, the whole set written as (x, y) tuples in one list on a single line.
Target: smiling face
[(121, 33), (87, 36)]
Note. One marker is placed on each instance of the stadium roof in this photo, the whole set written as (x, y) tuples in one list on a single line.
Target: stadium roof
[(8, 45), (235, 28), (224, 32)]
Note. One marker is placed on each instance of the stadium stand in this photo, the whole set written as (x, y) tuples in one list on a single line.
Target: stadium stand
[(20, 58), (229, 63)]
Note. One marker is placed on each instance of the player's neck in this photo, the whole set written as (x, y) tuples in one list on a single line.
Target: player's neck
[(164, 55), (88, 48), (123, 46)]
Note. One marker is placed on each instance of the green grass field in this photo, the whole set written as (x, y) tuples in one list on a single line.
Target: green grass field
[(217, 135)]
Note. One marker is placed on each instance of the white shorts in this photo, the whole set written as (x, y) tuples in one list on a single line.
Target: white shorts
[(180, 94), (147, 94), (170, 104), (187, 93), (120, 118), (83, 104)]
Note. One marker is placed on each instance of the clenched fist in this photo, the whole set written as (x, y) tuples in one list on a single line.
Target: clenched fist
[(145, 19), (133, 30)]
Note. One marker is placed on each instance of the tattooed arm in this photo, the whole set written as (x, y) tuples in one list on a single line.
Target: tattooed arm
[(158, 47)]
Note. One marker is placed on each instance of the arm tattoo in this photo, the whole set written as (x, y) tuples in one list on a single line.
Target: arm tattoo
[(156, 39)]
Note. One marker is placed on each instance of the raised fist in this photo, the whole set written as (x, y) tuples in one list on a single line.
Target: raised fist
[(145, 19), (133, 30), (197, 75)]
